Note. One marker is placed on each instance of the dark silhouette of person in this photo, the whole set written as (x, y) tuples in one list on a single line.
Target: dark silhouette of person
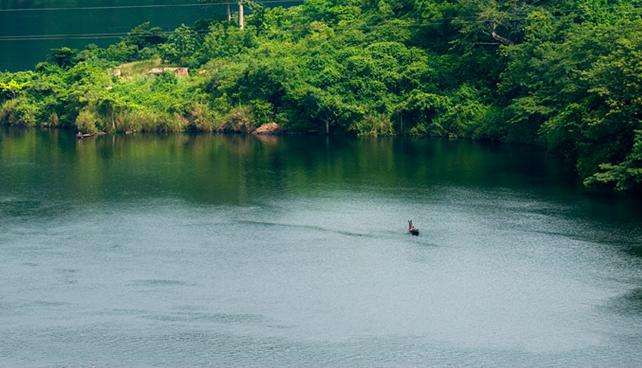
[(411, 228)]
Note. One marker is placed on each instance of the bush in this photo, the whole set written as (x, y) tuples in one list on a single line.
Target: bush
[(625, 176), (18, 112), (147, 120), (425, 110), (374, 126), (238, 120), (87, 121), (170, 123), (463, 114), (53, 120), (201, 118), (419, 130)]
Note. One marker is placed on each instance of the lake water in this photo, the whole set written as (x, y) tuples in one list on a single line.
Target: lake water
[(208, 251)]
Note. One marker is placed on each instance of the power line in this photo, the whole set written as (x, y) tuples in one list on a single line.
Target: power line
[(81, 36), (115, 7), (73, 36), (59, 38), (402, 24), (421, 22), (64, 36)]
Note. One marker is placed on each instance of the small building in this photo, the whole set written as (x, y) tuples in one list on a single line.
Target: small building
[(177, 71)]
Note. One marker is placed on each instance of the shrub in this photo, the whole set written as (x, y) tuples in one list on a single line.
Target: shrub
[(201, 118), (374, 125), (419, 130), (18, 112), (238, 120), (625, 176), (170, 123), (146, 120), (87, 121), (54, 120)]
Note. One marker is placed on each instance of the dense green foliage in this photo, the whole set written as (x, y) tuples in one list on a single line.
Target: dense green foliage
[(566, 74)]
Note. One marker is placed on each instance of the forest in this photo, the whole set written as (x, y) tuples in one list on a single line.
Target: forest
[(563, 74)]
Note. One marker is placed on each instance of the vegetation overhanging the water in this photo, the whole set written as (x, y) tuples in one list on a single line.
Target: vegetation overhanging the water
[(564, 74)]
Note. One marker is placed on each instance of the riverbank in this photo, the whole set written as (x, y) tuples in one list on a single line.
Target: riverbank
[(367, 70), (263, 130)]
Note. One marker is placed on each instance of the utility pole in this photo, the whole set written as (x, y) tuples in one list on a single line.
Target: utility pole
[(241, 15), (229, 12)]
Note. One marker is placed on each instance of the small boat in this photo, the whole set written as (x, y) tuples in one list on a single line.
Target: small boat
[(412, 229)]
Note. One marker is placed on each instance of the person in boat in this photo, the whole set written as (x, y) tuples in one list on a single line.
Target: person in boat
[(412, 229)]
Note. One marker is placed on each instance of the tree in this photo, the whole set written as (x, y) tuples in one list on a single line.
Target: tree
[(182, 46), (63, 57), (145, 35)]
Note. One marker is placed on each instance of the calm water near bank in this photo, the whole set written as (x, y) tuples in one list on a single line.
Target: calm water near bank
[(199, 251)]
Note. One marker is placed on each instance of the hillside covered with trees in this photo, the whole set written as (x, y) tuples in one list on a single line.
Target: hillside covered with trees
[(566, 74)]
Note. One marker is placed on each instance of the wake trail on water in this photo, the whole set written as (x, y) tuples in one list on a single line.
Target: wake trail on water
[(378, 235), (308, 227), (391, 235)]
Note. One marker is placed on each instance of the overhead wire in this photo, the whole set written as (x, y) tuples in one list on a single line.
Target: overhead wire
[(64, 36), (119, 34), (148, 6), (73, 36), (110, 35), (107, 35)]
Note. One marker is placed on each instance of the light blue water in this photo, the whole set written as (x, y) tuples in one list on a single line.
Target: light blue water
[(291, 252)]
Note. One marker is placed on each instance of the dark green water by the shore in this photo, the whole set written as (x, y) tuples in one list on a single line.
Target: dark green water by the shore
[(199, 251)]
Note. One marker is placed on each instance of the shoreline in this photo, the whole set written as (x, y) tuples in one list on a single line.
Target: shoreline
[(495, 146), (273, 138), (280, 133)]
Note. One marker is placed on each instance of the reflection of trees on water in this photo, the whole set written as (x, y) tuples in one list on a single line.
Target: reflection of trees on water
[(216, 168), (239, 169)]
